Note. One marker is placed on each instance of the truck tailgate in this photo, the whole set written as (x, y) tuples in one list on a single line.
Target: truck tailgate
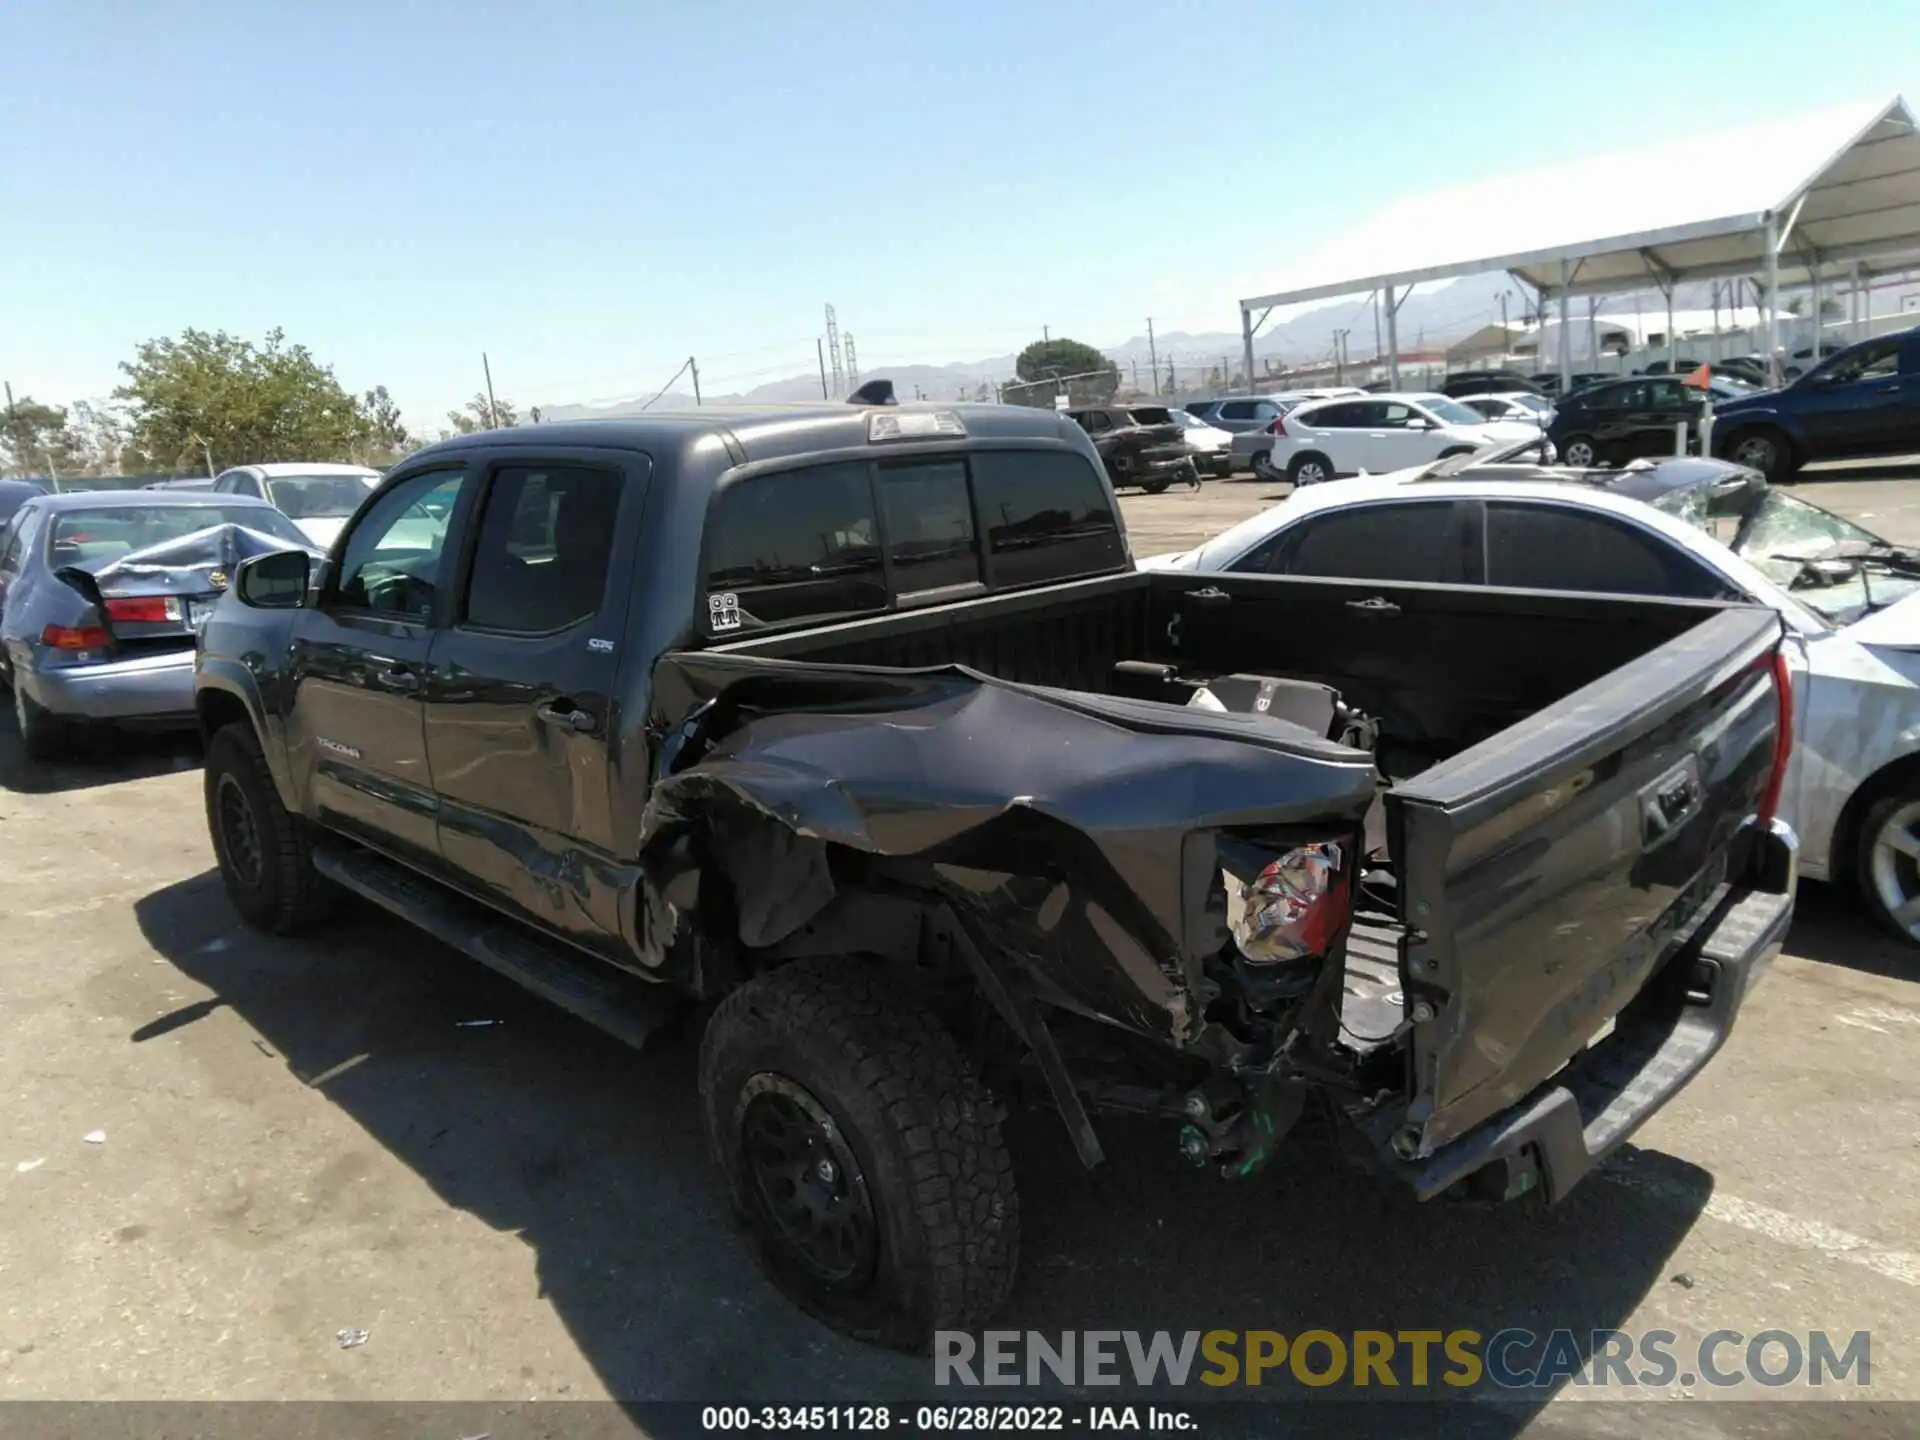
[(1547, 872)]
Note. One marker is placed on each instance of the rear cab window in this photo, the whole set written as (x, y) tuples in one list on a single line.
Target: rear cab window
[(833, 541)]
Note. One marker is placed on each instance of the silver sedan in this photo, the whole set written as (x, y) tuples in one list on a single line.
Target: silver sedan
[(101, 597)]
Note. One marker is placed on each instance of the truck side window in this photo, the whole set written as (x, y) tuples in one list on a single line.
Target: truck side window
[(1048, 516), (546, 538), (1551, 547), (930, 536), (392, 561), (798, 545)]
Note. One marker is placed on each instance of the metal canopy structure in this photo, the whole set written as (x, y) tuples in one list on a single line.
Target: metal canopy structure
[(1785, 202)]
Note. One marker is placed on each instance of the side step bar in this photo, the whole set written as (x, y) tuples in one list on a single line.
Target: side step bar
[(629, 1009)]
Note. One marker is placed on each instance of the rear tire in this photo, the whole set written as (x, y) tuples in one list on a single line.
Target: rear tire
[(264, 850), (1155, 487), (43, 735), (1765, 449), (1261, 464), (1581, 451), (1887, 865), (861, 1152), (1310, 468)]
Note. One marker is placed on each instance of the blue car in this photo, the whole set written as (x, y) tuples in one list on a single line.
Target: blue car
[(102, 596), (1864, 401)]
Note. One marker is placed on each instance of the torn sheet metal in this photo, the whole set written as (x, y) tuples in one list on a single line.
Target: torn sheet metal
[(1077, 829), (195, 563)]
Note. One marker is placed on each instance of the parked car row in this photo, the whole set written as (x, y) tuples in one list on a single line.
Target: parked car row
[(1699, 529), (1315, 442)]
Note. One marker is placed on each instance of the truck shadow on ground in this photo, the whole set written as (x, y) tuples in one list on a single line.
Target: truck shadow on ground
[(104, 757), (1831, 925), (592, 1154)]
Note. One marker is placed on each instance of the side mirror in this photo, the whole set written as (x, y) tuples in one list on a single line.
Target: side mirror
[(274, 582), (1421, 423)]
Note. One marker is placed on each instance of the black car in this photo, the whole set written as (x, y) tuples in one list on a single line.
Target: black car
[(1548, 381), (1682, 366), (1622, 420), (1487, 382), (1147, 447), (1749, 368)]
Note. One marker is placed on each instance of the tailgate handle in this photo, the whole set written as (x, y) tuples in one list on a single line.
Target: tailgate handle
[(1212, 595), (1374, 605), (1670, 802)]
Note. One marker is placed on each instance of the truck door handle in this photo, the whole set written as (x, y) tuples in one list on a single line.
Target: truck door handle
[(391, 675), (1374, 605), (1889, 388), (571, 718)]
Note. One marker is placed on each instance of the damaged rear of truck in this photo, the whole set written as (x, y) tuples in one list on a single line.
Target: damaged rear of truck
[(1481, 877), (1165, 898)]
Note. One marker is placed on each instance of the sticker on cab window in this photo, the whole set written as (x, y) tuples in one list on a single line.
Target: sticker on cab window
[(723, 611)]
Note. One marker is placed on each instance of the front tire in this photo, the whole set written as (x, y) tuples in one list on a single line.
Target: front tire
[(264, 850), (861, 1153), (1888, 863), (43, 735)]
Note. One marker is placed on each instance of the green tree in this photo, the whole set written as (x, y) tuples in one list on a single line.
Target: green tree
[(1047, 359), (475, 415), (30, 437), (386, 433), (216, 399)]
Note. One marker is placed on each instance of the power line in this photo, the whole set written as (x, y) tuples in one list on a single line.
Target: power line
[(669, 385)]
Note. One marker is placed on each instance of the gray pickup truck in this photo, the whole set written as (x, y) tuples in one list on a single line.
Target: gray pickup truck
[(852, 733)]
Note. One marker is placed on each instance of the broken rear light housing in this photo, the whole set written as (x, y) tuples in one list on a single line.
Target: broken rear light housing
[(1295, 907), (145, 609)]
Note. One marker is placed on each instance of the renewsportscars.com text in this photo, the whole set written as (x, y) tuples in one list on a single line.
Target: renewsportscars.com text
[(1414, 1359)]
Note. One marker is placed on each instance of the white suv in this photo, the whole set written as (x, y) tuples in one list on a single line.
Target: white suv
[(1378, 433)]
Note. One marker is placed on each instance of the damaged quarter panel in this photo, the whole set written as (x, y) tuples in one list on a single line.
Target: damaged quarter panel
[(1067, 821)]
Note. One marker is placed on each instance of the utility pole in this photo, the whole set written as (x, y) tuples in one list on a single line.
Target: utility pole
[(853, 368), (1153, 357), (493, 414), (694, 366), (1046, 336), (822, 356), (1136, 373), (833, 352), (1378, 348), (1340, 357)]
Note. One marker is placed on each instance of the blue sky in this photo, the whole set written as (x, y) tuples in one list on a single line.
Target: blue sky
[(591, 191)]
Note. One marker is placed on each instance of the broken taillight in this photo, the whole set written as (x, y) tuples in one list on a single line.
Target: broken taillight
[(144, 609), (1296, 906), (1782, 739)]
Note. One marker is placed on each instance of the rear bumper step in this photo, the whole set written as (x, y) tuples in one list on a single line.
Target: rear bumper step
[(1566, 1128), (629, 1009)]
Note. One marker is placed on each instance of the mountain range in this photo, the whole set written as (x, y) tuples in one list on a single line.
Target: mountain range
[(1438, 316)]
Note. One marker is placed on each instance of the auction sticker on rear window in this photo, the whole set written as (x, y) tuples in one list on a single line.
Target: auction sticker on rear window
[(723, 611)]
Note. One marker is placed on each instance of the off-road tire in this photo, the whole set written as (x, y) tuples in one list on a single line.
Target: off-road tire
[(43, 735), (281, 893), (923, 1129)]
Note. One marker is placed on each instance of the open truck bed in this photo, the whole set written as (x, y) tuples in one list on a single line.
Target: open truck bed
[(1568, 790)]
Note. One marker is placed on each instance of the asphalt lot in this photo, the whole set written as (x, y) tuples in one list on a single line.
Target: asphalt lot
[(301, 1137)]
